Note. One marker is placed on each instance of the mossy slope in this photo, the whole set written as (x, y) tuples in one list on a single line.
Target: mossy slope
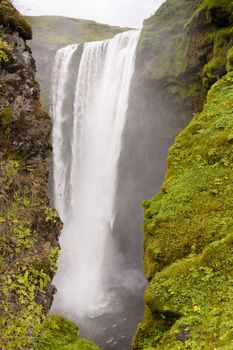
[(189, 236), (183, 49), (54, 32), (60, 334)]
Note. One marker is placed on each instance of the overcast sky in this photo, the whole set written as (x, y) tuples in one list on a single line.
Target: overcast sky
[(130, 13)]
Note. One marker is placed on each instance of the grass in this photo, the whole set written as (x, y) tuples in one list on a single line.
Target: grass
[(49, 31)]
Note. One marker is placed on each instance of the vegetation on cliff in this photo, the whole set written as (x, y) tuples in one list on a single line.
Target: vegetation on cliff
[(188, 236), (11, 18), (28, 251), (60, 334), (183, 49), (188, 225), (29, 228)]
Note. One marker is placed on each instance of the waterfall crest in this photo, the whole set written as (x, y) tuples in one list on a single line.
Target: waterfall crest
[(90, 91)]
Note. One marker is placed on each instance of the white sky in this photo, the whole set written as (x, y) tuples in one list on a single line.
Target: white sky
[(130, 13)]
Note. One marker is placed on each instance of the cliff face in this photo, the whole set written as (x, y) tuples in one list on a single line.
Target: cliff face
[(188, 238), (50, 33), (183, 51), (29, 228)]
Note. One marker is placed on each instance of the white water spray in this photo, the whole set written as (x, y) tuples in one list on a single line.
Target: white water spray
[(87, 144)]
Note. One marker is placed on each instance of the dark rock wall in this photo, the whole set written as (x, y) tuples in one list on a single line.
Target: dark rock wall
[(29, 228)]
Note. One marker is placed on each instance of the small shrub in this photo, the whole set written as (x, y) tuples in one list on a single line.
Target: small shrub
[(5, 48)]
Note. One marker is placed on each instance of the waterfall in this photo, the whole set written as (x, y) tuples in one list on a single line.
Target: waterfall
[(90, 91)]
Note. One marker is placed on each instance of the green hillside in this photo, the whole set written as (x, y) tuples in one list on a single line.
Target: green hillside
[(56, 31)]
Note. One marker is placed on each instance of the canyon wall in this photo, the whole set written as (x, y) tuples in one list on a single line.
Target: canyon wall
[(184, 49)]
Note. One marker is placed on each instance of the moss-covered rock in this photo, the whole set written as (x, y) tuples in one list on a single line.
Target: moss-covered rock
[(60, 334), (183, 49), (188, 236), (11, 18)]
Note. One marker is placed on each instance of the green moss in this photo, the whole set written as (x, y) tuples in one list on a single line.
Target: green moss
[(183, 49), (219, 11), (60, 334), (188, 236), (212, 12), (25, 256), (195, 291), (230, 60), (10, 17), (163, 43), (218, 62)]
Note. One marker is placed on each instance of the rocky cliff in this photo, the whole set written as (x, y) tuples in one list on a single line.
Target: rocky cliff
[(29, 227), (184, 49)]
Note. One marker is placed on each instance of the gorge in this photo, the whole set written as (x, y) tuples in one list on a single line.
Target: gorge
[(171, 84)]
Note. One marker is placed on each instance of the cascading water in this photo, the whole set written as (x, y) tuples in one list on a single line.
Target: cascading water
[(90, 92)]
